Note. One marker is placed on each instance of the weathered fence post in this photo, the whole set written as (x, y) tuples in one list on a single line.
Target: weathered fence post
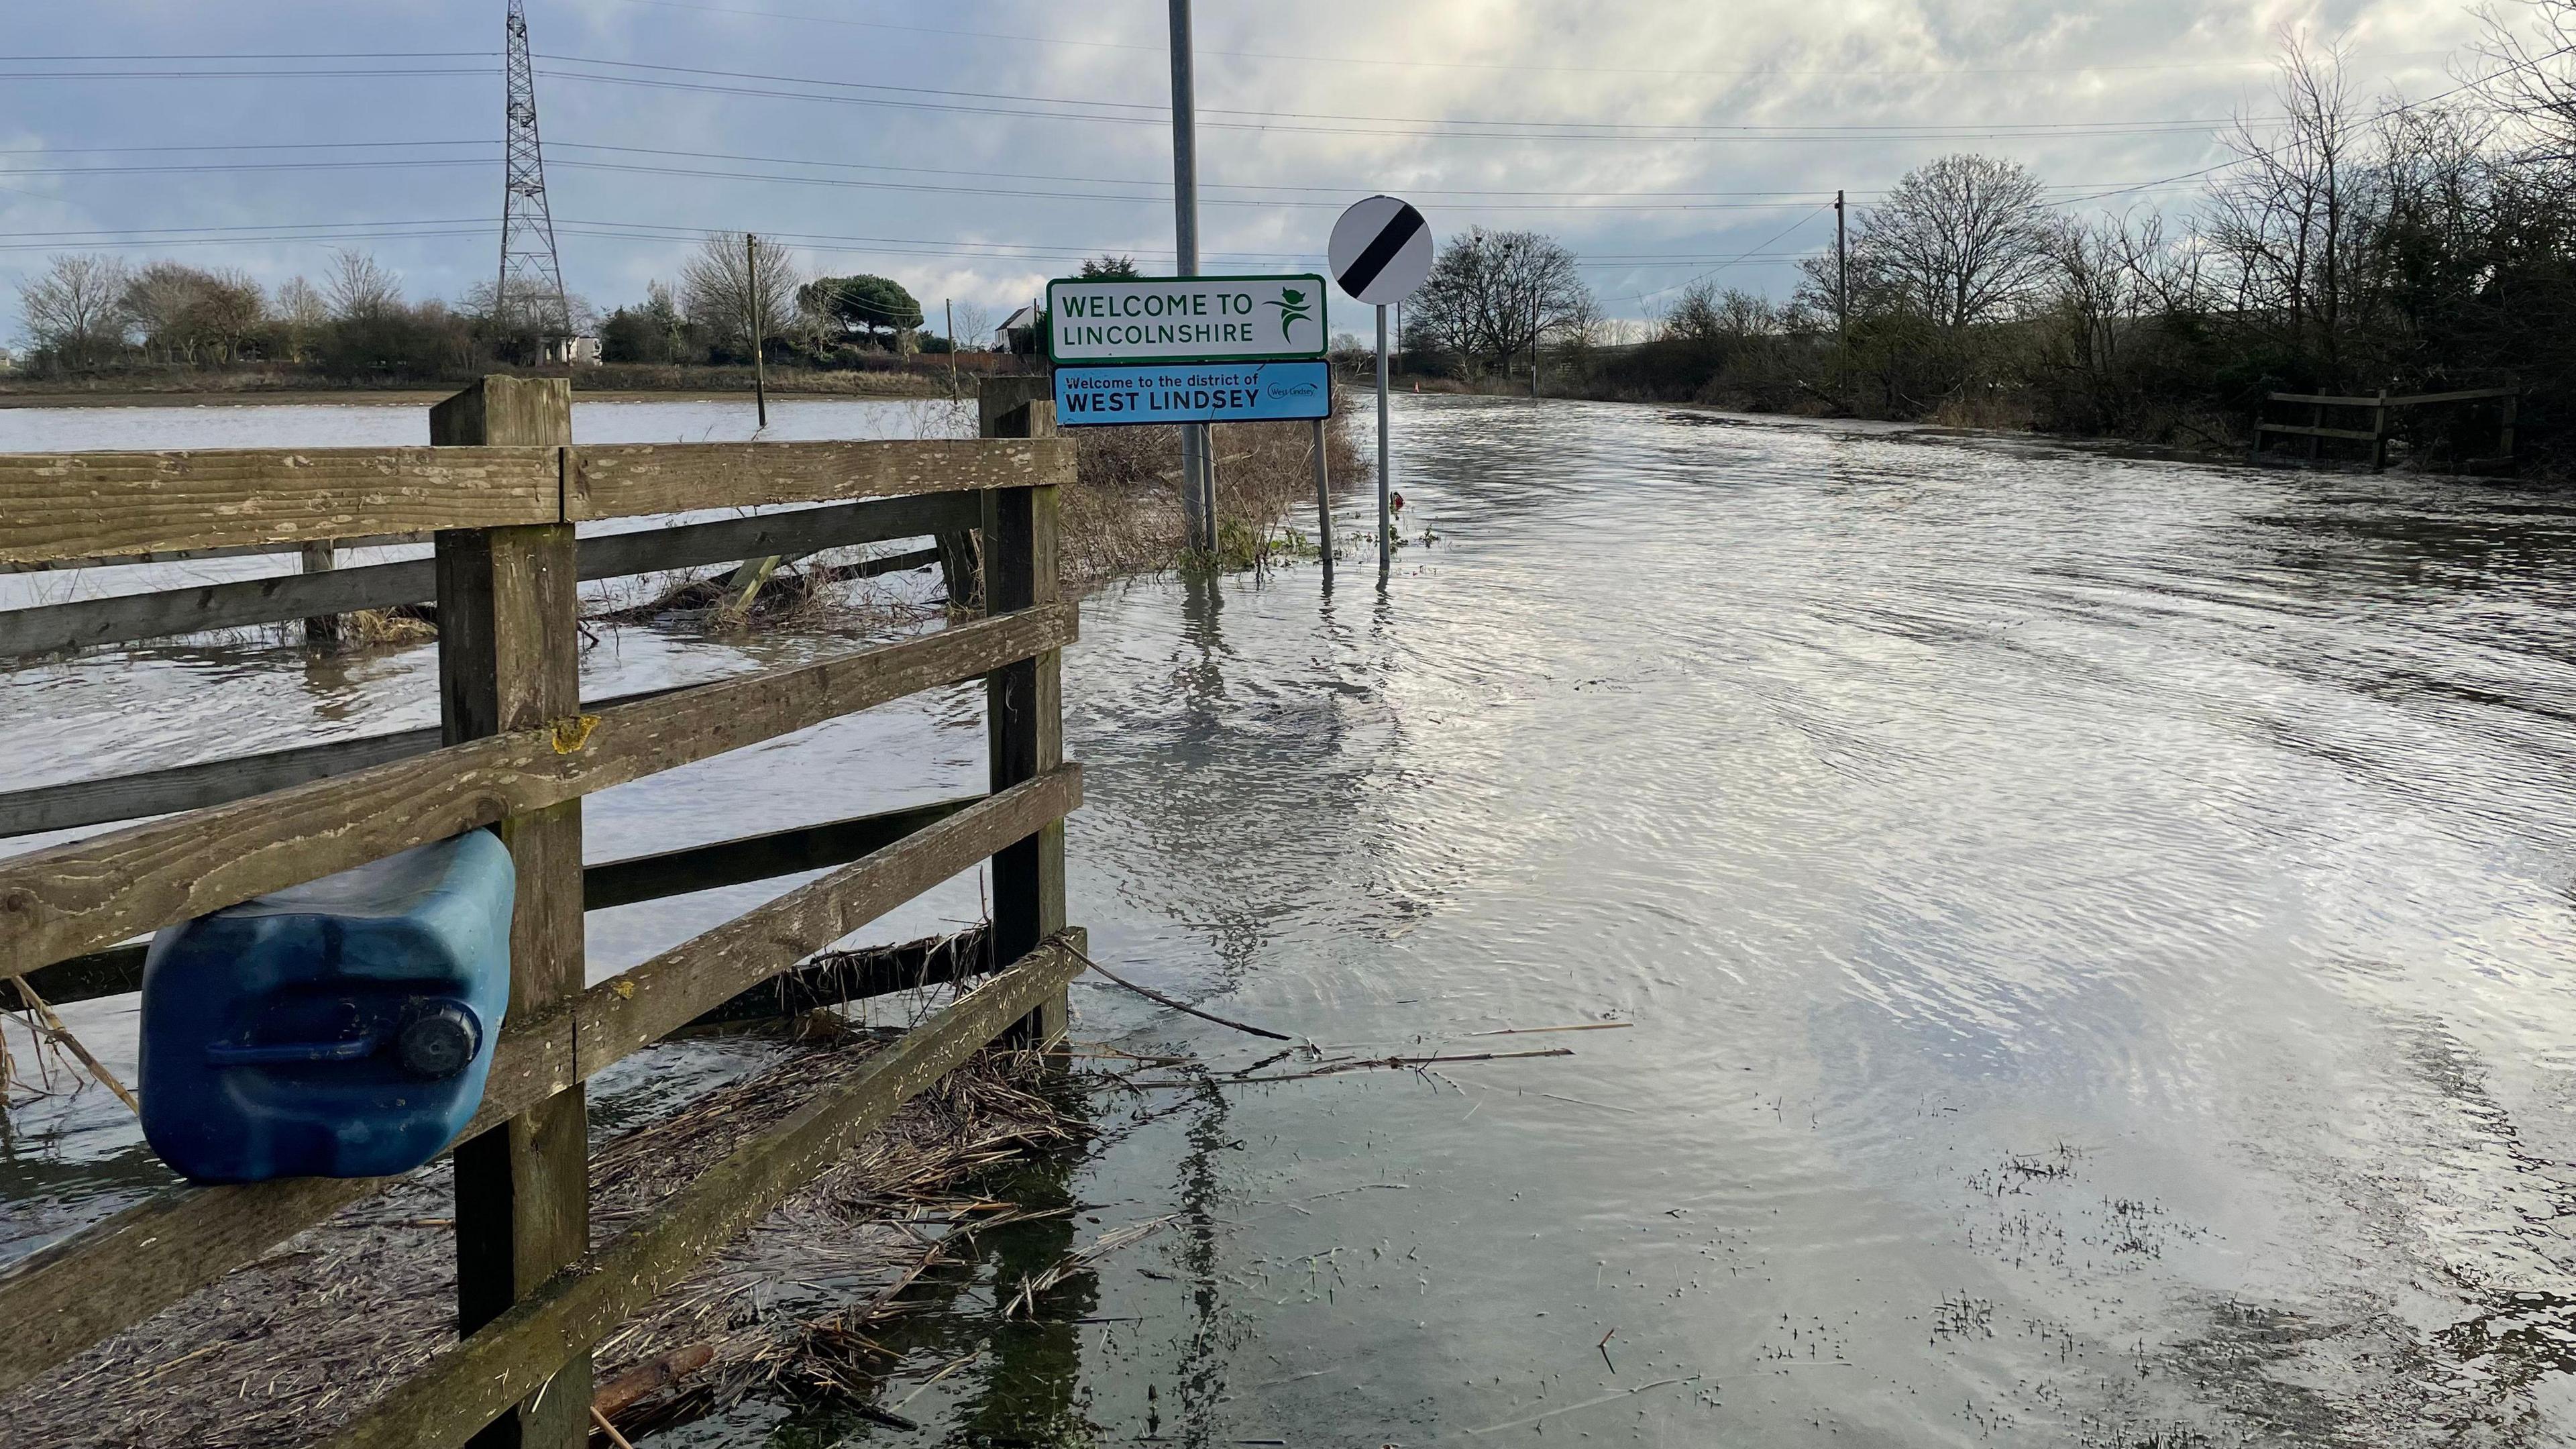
[(1024, 702), (1000, 406), (508, 660), (321, 558)]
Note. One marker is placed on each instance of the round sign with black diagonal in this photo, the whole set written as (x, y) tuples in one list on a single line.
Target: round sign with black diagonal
[(1381, 250)]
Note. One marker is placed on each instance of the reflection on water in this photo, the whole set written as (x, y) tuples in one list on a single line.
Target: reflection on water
[(2093, 927)]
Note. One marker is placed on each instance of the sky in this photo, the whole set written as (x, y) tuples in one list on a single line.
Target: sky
[(971, 149)]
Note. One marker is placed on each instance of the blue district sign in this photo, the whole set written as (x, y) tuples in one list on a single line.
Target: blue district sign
[(1192, 392)]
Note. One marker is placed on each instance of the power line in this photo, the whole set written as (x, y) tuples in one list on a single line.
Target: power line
[(486, 229), (1890, 134), (270, 55), (1740, 258), (1338, 190), (1472, 201), (183, 168), (235, 146), (341, 73), (473, 227), (1157, 113), (250, 227), (1060, 40)]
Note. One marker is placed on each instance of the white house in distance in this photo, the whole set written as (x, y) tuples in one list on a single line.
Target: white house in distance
[(1020, 321), (8, 361)]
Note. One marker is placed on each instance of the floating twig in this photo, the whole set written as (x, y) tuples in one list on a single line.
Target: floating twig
[(1586, 1404), (1375, 1063), (934, 1378), (1535, 1030), (1081, 1258), (1156, 996), (610, 1430), (63, 1037), (1580, 1102)]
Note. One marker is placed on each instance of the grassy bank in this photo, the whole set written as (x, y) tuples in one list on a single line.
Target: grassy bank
[(1123, 514), (146, 387)]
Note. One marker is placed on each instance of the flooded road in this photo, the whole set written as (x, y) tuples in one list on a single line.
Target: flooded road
[(2095, 933)]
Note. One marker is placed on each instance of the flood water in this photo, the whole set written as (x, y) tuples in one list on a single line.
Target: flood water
[(2094, 932)]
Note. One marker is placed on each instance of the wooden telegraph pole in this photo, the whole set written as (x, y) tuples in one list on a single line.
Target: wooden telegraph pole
[(1842, 290), (759, 369)]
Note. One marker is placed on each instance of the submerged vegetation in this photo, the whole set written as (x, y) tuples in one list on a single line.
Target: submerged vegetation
[(1123, 514)]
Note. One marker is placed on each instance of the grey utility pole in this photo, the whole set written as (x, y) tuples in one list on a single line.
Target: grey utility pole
[(1198, 504), (1842, 286)]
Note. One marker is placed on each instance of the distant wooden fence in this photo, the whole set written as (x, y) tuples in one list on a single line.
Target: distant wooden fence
[(2376, 435), (518, 749)]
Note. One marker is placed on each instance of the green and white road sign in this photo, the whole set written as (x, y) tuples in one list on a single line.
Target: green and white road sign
[(1195, 319)]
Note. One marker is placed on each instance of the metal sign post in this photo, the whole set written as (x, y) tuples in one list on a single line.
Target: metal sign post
[(1381, 251), (1385, 470), (1198, 489)]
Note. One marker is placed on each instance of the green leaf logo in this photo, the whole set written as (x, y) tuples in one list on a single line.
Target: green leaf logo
[(1292, 308)]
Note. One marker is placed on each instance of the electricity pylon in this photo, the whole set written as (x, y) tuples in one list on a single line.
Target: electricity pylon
[(530, 297)]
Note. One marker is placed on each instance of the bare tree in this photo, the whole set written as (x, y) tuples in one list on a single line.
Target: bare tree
[(974, 326), (2282, 219), (1493, 295), (230, 309), (2530, 75), (730, 293), (360, 290), (300, 315), (75, 308), (1959, 241), (2096, 292), (158, 300), (189, 314), (1704, 312)]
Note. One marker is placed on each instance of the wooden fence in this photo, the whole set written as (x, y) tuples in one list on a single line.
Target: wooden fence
[(517, 750), (2379, 406)]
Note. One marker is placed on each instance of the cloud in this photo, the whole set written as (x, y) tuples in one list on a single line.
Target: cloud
[(1568, 119)]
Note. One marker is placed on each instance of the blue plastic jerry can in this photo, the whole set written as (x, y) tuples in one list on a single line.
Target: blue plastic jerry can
[(342, 1028)]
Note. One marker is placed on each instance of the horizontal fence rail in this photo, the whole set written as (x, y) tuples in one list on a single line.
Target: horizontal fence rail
[(124, 618), (97, 892), (192, 555), (81, 505), (606, 886), (2475, 394), (87, 505)]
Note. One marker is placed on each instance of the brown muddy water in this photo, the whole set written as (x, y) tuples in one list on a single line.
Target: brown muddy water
[(2096, 935)]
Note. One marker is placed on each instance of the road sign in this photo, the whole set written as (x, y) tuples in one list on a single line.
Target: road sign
[(1186, 319), (1381, 250), (1192, 392)]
